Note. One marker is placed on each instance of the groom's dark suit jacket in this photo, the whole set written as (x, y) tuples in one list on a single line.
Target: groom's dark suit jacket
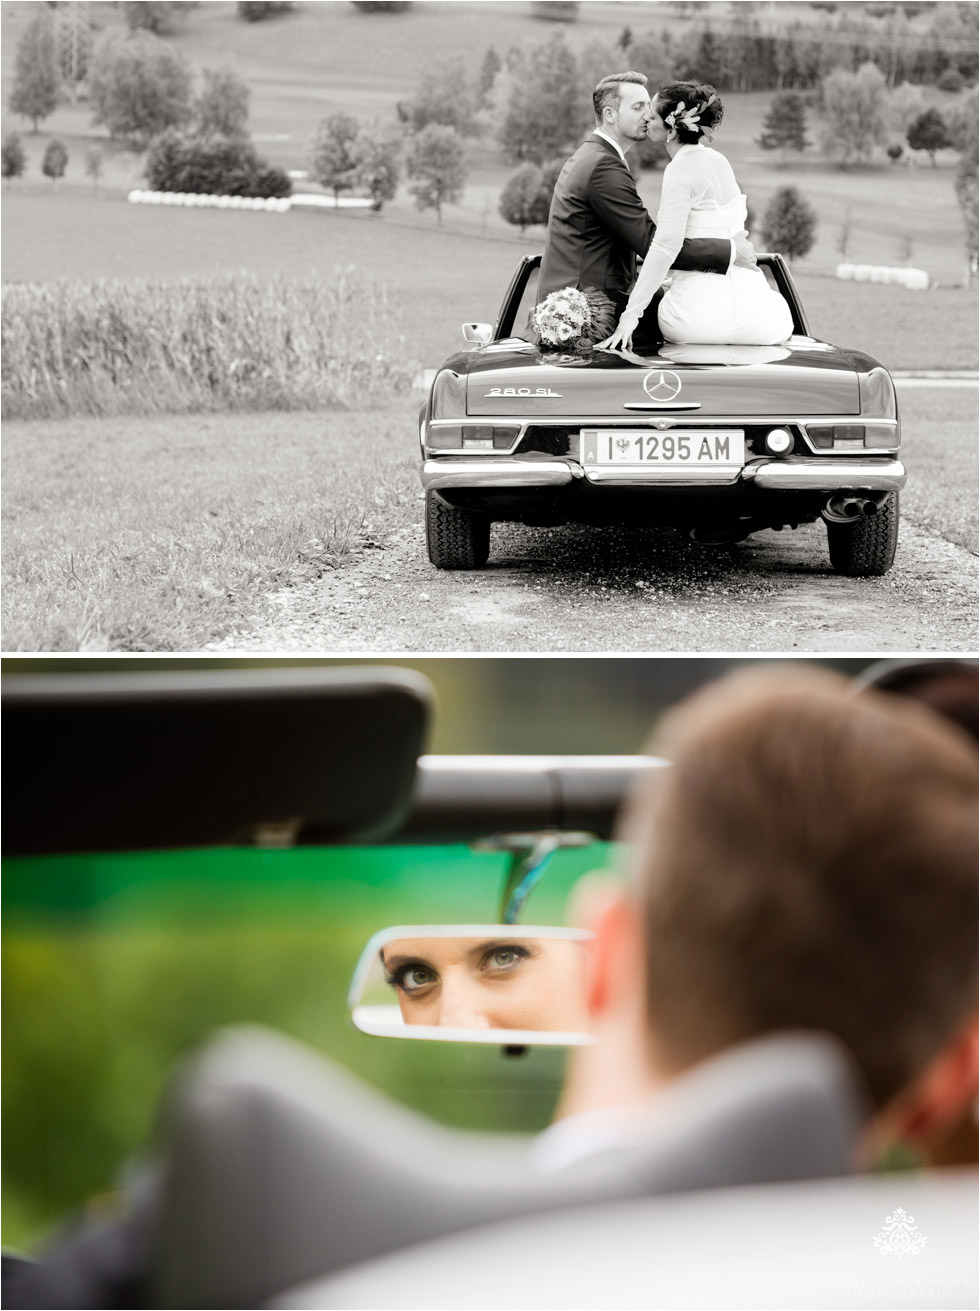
[(598, 226)]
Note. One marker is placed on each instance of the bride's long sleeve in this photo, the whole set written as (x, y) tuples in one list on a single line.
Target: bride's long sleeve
[(677, 199)]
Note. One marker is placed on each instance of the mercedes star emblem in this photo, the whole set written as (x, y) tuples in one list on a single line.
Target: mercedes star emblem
[(661, 386)]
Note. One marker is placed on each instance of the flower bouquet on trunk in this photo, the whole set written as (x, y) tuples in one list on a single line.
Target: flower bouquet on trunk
[(573, 320)]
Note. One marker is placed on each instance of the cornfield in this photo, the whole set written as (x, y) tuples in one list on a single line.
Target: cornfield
[(230, 343)]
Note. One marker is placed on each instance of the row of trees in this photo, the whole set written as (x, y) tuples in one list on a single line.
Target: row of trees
[(860, 114), (746, 54), (13, 159)]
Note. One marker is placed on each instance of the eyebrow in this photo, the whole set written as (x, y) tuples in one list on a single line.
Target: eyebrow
[(396, 962)]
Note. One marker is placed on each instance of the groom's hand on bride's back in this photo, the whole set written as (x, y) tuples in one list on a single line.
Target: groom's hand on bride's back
[(744, 253)]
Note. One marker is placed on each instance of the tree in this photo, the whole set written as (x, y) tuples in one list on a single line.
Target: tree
[(36, 78), (789, 223), (73, 38), (13, 161), (436, 163), (652, 55), (895, 151), (543, 114), (444, 95), (905, 104), (377, 166), (856, 111), (223, 104), (333, 161), (93, 164), (557, 11), (253, 11), (211, 165), (139, 86), (156, 16), (784, 126), (55, 160), (594, 62), (489, 69), (965, 133), (929, 133), (951, 80), (522, 200)]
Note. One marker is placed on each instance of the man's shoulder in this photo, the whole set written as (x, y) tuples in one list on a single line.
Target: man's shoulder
[(592, 153)]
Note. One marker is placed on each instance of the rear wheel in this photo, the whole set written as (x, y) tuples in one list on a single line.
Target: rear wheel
[(866, 547), (455, 539)]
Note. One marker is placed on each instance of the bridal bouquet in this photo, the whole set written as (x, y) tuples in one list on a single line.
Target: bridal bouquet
[(569, 319)]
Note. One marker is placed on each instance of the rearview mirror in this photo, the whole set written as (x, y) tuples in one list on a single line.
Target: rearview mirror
[(488, 983)]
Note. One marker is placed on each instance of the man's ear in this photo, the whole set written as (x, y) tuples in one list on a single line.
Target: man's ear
[(926, 1112), (616, 959)]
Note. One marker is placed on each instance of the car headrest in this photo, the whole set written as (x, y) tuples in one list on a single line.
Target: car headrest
[(134, 761)]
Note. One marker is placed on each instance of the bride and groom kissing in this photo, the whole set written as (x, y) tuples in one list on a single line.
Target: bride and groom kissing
[(598, 227)]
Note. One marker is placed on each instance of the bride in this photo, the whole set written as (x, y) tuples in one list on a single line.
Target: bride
[(700, 198)]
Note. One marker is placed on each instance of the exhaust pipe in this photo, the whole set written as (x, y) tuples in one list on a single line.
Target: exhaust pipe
[(848, 507)]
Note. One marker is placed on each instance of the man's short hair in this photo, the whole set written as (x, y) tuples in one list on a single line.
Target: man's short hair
[(808, 862), (607, 90)]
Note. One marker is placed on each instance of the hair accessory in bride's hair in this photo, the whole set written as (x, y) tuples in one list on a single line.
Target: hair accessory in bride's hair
[(680, 116), (689, 118)]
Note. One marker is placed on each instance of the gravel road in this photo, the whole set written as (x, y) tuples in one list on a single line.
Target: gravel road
[(581, 589)]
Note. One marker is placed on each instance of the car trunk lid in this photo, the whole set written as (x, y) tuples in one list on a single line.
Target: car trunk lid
[(717, 381)]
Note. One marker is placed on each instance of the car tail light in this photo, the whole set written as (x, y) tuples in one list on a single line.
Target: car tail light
[(472, 437), (877, 394), (837, 436)]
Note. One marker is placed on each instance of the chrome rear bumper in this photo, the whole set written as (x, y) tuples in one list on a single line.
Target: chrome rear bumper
[(811, 475), (508, 472), (816, 475)]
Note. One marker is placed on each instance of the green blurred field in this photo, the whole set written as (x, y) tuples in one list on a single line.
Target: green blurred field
[(113, 967)]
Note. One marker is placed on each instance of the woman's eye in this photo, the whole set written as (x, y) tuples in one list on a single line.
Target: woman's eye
[(416, 976), (505, 958)]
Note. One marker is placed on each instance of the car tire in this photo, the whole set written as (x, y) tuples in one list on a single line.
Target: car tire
[(455, 539), (866, 547)]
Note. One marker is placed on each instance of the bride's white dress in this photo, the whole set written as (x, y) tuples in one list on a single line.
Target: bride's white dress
[(700, 198)]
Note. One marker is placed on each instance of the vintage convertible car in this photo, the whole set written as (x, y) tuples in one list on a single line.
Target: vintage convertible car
[(715, 441)]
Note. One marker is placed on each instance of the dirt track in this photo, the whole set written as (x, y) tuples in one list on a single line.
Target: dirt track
[(582, 589)]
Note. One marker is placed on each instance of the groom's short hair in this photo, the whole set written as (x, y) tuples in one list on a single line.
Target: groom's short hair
[(808, 862), (607, 90)]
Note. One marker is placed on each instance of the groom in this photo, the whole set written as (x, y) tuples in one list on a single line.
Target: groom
[(598, 225)]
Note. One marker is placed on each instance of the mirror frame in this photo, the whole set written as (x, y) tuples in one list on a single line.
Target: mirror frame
[(367, 1019)]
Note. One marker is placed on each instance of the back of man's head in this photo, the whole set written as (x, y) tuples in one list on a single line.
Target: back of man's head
[(809, 861)]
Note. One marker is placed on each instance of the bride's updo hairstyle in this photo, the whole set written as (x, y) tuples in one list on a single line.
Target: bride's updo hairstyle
[(692, 109)]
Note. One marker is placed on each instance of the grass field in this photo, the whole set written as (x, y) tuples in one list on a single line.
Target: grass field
[(209, 513), (435, 280), (159, 534)]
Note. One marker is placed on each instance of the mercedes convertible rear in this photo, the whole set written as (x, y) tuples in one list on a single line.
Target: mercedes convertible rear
[(715, 441)]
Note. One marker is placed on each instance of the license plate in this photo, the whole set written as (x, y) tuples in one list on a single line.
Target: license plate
[(679, 448)]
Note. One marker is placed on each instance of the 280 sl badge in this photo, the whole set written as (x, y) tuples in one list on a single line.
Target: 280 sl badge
[(521, 391)]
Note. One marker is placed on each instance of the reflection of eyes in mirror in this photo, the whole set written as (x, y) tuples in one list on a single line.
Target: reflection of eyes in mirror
[(498, 983)]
